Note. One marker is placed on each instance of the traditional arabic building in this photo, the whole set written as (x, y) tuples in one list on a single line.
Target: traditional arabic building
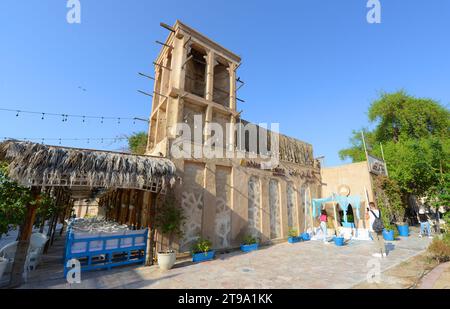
[(239, 193)]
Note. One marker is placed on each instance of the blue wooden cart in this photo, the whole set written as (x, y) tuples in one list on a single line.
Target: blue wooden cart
[(105, 250)]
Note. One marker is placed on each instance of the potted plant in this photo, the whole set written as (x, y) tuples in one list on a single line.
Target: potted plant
[(3, 264), (293, 236), (249, 243), (202, 250), (169, 219), (403, 229), (389, 232)]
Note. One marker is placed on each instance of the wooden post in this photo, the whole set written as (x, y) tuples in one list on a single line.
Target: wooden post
[(140, 202), (66, 214), (24, 240), (131, 220), (149, 202), (152, 228), (125, 200), (65, 199), (58, 197), (118, 205), (42, 224)]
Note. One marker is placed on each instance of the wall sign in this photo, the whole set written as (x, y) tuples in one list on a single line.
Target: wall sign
[(376, 166)]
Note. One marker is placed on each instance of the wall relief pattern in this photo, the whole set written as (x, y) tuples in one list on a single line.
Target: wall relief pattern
[(192, 203), (254, 207), (291, 206), (223, 208), (274, 206)]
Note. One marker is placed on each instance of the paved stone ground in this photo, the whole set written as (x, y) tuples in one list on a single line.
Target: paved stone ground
[(438, 278), (406, 275), (302, 265)]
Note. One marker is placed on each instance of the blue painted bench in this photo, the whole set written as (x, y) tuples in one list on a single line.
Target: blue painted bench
[(105, 250)]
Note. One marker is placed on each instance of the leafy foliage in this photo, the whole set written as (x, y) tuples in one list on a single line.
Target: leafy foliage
[(400, 115), (416, 143), (137, 143), (440, 248), (292, 232), (446, 218), (201, 246), (439, 194), (249, 240), (13, 200), (47, 207), (169, 217), (389, 200)]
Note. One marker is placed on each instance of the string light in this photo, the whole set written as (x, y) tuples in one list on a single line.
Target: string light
[(65, 117), (60, 140)]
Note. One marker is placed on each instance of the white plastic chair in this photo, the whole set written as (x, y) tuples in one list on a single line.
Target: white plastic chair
[(37, 244), (8, 252)]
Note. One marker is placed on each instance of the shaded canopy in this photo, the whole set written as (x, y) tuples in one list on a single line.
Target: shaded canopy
[(343, 201), (33, 164)]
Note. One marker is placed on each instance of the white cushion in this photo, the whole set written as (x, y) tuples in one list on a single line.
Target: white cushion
[(79, 247), (138, 241), (112, 243)]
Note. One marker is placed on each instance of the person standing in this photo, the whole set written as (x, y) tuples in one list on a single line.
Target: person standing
[(424, 224), (376, 227), (323, 225)]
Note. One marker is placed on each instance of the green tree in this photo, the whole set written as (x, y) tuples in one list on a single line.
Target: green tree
[(137, 143), (13, 200), (415, 137), (401, 115)]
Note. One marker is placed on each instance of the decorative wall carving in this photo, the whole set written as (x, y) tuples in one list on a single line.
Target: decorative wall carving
[(274, 206), (254, 207), (291, 206), (193, 208), (223, 210), (192, 204)]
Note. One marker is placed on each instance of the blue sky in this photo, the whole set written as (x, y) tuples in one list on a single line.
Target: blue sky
[(313, 66)]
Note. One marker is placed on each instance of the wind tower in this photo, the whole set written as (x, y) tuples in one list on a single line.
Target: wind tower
[(193, 76)]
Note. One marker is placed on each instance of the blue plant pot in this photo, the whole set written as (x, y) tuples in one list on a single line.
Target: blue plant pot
[(339, 241), (388, 235), (305, 236), (201, 257), (248, 248), (403, 230), (294, 239)]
